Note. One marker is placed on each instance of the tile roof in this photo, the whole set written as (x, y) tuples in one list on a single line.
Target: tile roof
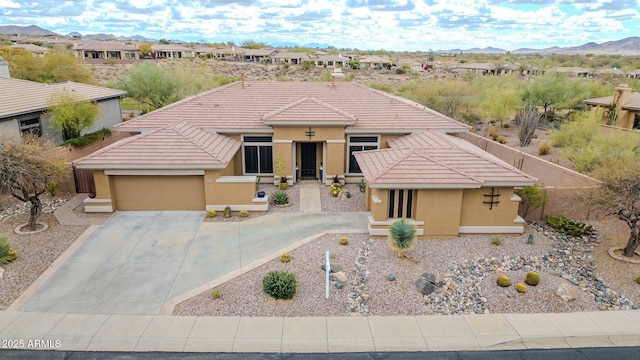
[(31, 48), (632, 104), (436, 161), (308, 110), (22, 97), (177, 146), (104, 46), (241, 107)]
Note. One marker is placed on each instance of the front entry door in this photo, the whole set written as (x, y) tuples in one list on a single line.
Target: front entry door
[(308, 154)]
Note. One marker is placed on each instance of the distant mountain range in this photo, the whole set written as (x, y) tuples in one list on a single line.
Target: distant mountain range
[(626, 46)]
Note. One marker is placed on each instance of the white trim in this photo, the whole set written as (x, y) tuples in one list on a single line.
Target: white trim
[(154, 172), (303, 123), (336, 141), (515, 198), (101, 209), (282, 142), (385, 232), (348, 150), (518, 220), (424, 186), (261, 207), (237, 179), (96, 201), (372, 221), (264, 199), (163, 167), (491, 230), (376, 199)]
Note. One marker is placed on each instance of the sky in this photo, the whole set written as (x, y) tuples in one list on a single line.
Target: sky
[(397, 25)]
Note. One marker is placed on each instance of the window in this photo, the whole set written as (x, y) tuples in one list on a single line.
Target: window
[(400, 204), (258, 155), (360, 143), (31, 126), (636, 121)]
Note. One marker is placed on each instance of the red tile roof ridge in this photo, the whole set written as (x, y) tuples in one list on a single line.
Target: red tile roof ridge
[(303, 100)]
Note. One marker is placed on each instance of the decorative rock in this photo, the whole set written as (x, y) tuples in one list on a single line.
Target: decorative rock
[(425, 286), (339, 276), (339, 285), (567, 292), (334, 268), (392, 277), (1, 272)]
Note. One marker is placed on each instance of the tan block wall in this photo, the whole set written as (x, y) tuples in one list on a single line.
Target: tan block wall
[(476, 213), (440, 211)]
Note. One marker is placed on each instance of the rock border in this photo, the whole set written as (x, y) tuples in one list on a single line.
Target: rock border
[(17, 230), (612, 253)]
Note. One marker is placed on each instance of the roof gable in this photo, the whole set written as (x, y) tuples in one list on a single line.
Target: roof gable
[(177, 146), (308, 111)]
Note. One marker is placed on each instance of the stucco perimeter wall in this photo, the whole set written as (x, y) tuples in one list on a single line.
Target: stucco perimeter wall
[(562, 184)]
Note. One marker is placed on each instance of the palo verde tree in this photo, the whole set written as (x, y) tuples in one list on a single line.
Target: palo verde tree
[(550, 91), (27, 171), (619, 195), (70, 114)]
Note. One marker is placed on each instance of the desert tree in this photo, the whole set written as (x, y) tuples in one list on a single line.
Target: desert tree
[(619, 195), (54, 67), (27, 169), (550, 91), (527, 121), (532, 198), (70, 114), (499, 96)]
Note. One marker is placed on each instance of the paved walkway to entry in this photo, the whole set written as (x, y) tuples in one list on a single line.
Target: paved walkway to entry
[(310, 197), (137, 261)]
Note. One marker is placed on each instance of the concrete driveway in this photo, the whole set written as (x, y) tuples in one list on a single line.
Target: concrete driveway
[(136, 261)]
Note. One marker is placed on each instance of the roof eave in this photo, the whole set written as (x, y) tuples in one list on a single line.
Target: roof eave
[(94, 166), (307, 123), (432, 186)]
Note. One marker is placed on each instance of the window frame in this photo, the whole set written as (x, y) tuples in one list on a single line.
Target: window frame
[(400, 203), (363, 144), (248, 141)]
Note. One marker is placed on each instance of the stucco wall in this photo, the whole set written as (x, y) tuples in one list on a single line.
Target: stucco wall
[(110, 114), (440, 211), (476, 213), (9, 130)]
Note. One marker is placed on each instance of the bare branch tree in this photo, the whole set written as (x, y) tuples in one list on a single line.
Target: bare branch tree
[(527, 121), (26, 171)]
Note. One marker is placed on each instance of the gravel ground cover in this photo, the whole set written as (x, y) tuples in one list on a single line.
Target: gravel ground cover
[(465, 267), (355, 201)]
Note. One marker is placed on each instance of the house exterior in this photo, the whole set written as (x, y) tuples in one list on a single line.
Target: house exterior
[(23, 106), (375, 62), (35, 50), (259, 55), (292, 58), (331, 60), (103, 50), (475, 68), (622, 109), (207, 151), (172, 51)]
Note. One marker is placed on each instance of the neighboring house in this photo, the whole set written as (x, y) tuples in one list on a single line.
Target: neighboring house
[(172, 51), (293, 58), (413, 64), (35, 50), (576, 72), (259, 55), (332, 61), (206, 152), (475, 68), (622, 109), (222, 53), (23, 106), (103, 50), (375, 62)]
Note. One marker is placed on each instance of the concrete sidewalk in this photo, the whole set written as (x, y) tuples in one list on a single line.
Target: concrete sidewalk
[(97, 332)]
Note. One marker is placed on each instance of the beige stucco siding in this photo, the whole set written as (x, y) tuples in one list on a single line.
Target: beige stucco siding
[(440, 211), (476, 213), (158, 192)]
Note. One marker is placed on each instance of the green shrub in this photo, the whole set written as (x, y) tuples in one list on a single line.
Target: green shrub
[(401, 233), (532, 279), (281, 197), (279, 284), (215, 294), (569, 226), (362, 185), (521, 288), (344, 241), (6, 253), (496, 241), (544, 149), (503, 281), (88, 138), (211, 213), (501, 139), (243, 213), (532, 197), (285, 258)]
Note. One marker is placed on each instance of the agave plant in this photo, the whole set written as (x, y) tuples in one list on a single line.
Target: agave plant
[(281, 197), (6, 253), (401, 233)]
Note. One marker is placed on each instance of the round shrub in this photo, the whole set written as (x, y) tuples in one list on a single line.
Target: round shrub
[(344, 241), (243, 213), (279, 284), (391, 277), (521, 288), (285, 258), (533, 278), (211, 213), (638, 279), (503, 281)]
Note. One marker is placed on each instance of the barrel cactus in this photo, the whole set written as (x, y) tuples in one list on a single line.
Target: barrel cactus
[(521, 288), (638, 279), (211, 213), (285, 258), (344, 241), (503, 281), (243, 213), (532, 279)]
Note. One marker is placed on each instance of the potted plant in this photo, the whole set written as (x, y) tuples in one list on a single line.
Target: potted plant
[(259, 193), (283, 183)]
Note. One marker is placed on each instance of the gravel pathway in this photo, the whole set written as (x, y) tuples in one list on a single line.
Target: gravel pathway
[(466, 268)]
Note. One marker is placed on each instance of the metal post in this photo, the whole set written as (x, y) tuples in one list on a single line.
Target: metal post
[(328, 269)]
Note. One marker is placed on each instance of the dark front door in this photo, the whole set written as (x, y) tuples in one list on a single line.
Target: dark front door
[(308, 154)]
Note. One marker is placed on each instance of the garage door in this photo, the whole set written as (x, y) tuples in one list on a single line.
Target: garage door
[(159, 192)]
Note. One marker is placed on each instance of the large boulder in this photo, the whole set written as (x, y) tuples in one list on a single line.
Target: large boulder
[(567, 292), (427, 283)]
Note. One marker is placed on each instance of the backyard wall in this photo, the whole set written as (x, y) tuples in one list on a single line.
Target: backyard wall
[(562, 184)]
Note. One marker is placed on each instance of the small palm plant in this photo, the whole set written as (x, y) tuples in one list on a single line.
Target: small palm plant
[(401, 234)]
